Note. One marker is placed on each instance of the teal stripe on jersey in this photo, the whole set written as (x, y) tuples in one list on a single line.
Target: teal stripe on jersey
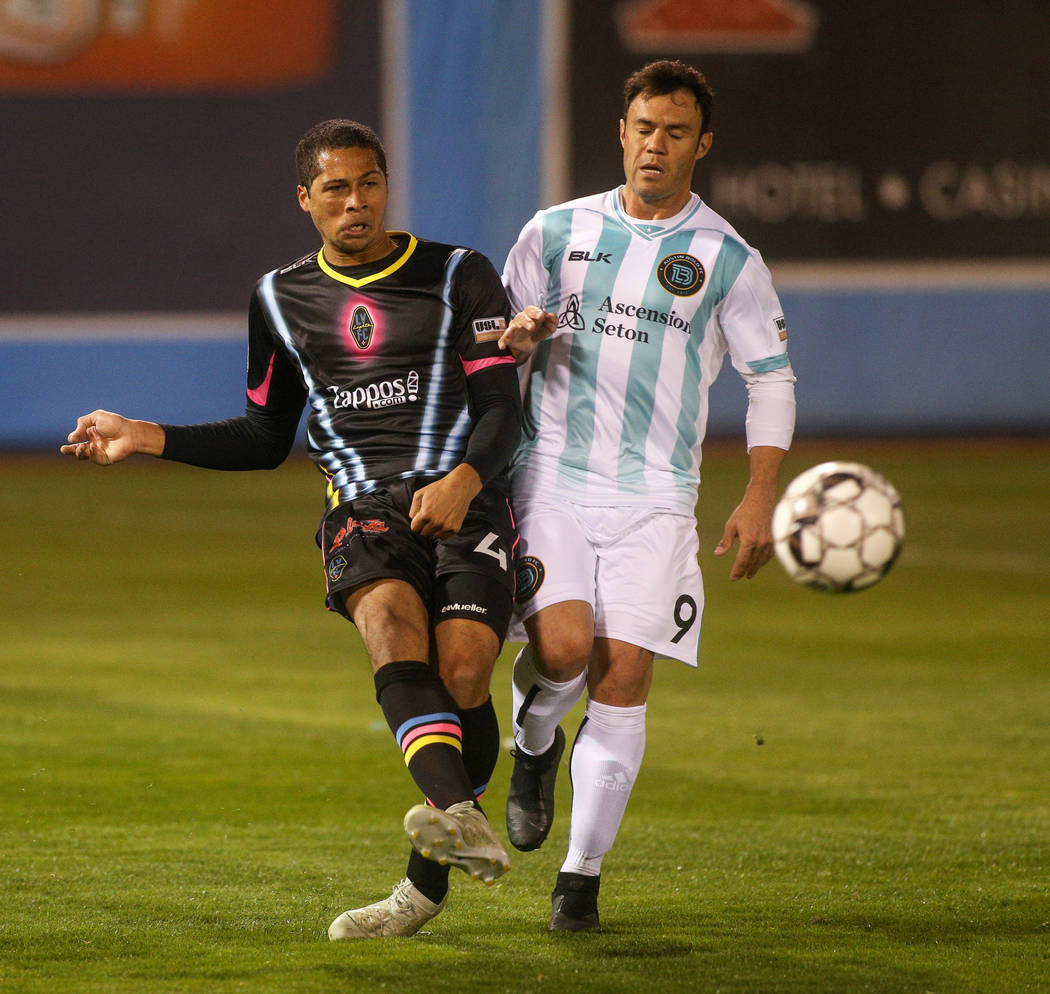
[(583, 356), (557, 227), (645, 369), (727, 267), (773, 362)]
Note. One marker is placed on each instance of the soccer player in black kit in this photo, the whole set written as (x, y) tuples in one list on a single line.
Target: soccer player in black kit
[(414, 413)]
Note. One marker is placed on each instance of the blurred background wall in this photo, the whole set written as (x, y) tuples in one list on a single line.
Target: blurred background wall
[(891, 162)]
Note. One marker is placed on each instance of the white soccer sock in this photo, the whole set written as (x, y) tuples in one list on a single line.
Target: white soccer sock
[(605, 762), (539, 704)]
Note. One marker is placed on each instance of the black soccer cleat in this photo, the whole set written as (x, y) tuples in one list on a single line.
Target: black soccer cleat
[(530, 797), (574, 904)]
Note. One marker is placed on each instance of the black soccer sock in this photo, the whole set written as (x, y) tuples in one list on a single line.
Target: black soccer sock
[(426, 725), (428, 877), (480, 752), (480, 744)]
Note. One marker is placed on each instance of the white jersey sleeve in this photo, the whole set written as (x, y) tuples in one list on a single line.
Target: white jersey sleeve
[(525, 276), (752, 321)]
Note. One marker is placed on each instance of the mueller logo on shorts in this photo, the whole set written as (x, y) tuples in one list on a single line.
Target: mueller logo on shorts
[(681, 274), (469, 608), (528, 578), (373, 526), (489, 329), (362, 327)]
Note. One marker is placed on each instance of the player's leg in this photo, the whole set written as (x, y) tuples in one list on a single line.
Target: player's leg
[(555, 598), (421, 713), (648, 603), (429, 726), (377, 572), (425, 721), (605, 761), (471, 607), (466, 652), (549, 677)]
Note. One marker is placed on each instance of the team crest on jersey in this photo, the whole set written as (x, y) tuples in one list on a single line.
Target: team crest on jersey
[(362, 327), (681, 274), (528, 578)]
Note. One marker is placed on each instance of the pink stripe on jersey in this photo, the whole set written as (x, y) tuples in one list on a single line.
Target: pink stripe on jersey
[(472, 366), (262, 391), (436, 728)]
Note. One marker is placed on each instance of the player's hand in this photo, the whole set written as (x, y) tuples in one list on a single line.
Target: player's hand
[(752, 524), (438, 509), (104, 438), (526, 330)]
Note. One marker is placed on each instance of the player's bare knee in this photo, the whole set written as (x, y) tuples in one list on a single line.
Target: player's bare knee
[(563, 655), (467, 681)]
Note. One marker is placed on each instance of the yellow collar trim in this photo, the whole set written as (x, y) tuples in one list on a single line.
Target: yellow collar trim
[(364, 281)]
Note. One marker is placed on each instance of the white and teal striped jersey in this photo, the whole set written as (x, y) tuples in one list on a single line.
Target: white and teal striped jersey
[(647, 310)]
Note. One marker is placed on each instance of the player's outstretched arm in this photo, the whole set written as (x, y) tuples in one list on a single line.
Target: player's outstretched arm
[(752, 520), (526, 330), (104, 438)]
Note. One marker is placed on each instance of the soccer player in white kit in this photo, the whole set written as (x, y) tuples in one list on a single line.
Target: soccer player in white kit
[(628, 302)]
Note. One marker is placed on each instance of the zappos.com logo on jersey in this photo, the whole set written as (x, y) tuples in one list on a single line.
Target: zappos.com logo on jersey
[(382, 393)]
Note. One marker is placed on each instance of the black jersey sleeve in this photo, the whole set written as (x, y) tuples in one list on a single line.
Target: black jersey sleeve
[(263, 436), (482, 310), (496, 406)]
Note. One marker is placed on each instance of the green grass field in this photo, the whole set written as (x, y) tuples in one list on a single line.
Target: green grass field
[(851, 793)]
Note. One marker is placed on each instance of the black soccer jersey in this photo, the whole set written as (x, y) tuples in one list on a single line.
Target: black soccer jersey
[(397, 360)]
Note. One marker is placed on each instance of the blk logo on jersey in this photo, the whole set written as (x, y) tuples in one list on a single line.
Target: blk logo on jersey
[(362, 327), (576, 255), (681, 274)]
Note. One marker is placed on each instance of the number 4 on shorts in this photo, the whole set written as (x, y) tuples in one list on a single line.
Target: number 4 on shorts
[(486, 547)]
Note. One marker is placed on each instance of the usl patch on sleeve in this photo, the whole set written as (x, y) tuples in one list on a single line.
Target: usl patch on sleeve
[(489, 329), (782, 328)]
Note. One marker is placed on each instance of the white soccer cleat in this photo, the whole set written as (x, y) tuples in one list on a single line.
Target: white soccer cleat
[(404, 912), (460, 836)]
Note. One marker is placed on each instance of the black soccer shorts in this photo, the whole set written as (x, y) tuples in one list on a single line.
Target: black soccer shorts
[(468, 575)]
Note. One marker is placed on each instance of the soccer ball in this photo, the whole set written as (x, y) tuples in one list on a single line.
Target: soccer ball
[(838, 527)]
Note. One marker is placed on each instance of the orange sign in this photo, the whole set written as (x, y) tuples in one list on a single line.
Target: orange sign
[(716, 25), (121, 45)]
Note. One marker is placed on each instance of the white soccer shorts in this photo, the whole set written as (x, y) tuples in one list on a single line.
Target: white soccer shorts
[(636, 567)]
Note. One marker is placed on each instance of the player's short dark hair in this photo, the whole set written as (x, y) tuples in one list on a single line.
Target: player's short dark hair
[(328, 135), (665, 76)]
